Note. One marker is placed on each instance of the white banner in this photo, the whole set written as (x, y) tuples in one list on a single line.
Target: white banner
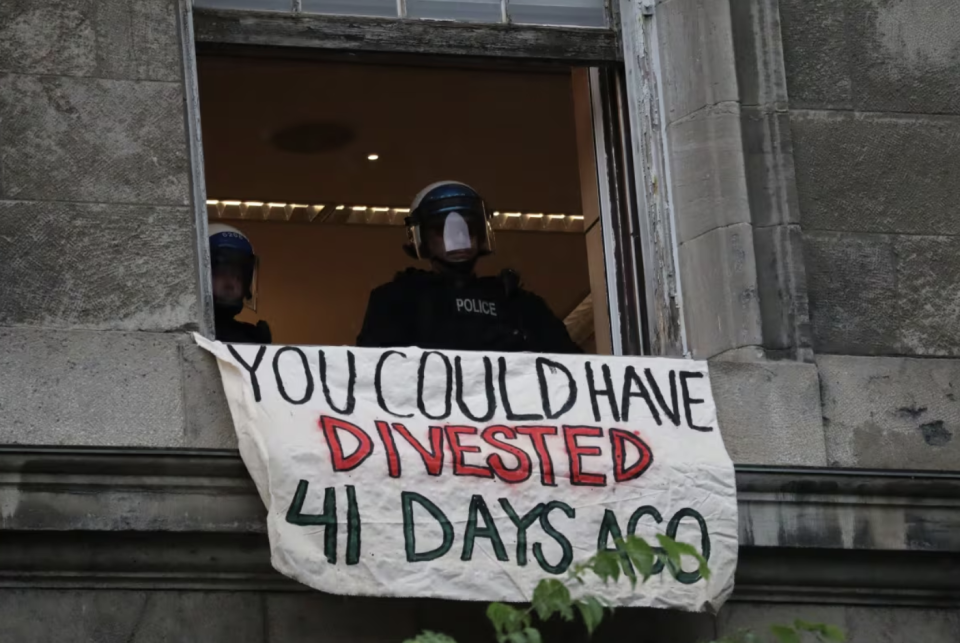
[(474, 475)]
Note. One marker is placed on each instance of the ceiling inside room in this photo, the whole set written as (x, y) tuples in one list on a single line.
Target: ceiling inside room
[(286, 130)]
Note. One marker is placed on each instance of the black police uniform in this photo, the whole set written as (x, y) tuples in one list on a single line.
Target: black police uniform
[(462, 312), (231, 331)]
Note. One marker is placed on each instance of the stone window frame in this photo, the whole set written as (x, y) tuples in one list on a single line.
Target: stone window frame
[(720, 217)]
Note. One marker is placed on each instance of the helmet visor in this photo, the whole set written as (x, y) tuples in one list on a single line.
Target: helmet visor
[(456, 236), (233, 278)]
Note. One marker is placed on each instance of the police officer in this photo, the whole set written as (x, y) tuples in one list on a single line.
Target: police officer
[(232, 265), (450, 307)]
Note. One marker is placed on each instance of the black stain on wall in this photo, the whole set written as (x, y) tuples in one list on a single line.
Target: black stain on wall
[(935, 433), (912, 412)]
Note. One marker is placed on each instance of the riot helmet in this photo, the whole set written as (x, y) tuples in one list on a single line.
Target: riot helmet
[(449, 223), (233, 265)]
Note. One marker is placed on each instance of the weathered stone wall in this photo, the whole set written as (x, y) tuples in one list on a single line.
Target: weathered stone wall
[(99, 265), (874, 113), (119, 546), (706, 179), (874, 93), (862, 624), (137, 616), (151, 616)]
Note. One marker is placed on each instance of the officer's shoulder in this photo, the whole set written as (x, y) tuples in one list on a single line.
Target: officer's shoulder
[(258, 333), (511, 278), (509, 282), (531, 297), (236, 331), (490, 280), (531, 300), (264, 334)]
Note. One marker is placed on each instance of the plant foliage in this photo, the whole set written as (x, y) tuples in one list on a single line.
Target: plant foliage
[(636, 560)]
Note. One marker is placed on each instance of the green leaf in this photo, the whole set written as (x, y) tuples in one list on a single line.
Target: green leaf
[(785, 634), (551, 597), (431, 637), (592, 612), (577, 570), (828, 632), (607, 565), (533, 635), (676, 551), (669, 549), (624, 562), (641, 555), (507, 620), (499, 614), (740, 636), (806, 626), (834, 633)]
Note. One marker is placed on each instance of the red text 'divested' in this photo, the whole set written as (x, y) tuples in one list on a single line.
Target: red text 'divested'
[(517, 449)]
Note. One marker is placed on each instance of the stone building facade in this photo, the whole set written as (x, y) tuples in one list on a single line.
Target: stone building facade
[(797, 163)]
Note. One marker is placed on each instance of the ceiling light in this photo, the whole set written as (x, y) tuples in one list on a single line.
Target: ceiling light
[(315, 209), (373, 157)]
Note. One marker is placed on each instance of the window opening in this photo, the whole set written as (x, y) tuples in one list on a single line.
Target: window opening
[(316, 163)]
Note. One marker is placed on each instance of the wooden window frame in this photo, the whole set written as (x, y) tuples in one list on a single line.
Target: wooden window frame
[(393, 35)]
